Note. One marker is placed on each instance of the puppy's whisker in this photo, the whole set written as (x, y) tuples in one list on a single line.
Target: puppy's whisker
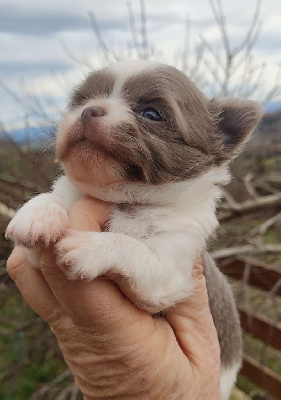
[(146, 153), (48, 145)]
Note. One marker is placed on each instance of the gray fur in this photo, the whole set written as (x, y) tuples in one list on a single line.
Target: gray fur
[(97, 84), (195, 133), (224, 312)]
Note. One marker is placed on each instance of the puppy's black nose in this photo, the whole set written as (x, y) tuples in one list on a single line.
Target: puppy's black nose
[(91, 112)]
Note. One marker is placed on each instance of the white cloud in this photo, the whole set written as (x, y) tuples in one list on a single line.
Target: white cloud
[(31, 33)]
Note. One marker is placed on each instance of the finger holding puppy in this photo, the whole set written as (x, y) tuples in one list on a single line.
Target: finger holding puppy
[(101, 331)]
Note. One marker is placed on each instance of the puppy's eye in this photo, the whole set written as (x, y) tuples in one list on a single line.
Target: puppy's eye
[(152, 114)]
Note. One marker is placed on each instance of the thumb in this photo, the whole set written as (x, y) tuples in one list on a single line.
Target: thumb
[(193, 324)]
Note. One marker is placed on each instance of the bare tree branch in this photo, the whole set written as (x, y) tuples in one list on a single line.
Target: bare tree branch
[(6, 212), (185, 53), (250, 205), (253, 33), (250, 188), (221, 23), (145, 53), (133, 28), (108, 54), (84, 62), (247, 249), (42, 391), (263, 228)]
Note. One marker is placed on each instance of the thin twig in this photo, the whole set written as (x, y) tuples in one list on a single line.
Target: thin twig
[(263, 228), (250, 188), (108, 54), (246, 249), (133, 29), (145, 53)]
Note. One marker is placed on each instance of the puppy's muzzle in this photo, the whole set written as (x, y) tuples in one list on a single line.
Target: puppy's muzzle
[(92, 112)]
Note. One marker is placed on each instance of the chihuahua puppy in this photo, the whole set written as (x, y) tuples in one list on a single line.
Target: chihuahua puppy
[(141, 136)]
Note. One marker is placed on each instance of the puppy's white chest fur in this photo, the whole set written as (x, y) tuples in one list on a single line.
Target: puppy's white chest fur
[(123, 218), (152, 236), (186, 208)]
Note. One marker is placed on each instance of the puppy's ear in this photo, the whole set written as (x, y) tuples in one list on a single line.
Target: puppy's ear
[(236, 121)]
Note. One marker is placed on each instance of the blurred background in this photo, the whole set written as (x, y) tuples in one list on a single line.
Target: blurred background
[(227, 48)]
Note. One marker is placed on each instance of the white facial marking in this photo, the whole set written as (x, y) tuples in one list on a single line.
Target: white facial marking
[(125, 69)]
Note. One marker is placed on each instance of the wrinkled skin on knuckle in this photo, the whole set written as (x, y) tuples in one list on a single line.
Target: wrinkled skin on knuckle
[(102, 369), (104, 365)]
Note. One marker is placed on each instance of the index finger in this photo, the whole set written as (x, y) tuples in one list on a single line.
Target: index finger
[(32, 285)]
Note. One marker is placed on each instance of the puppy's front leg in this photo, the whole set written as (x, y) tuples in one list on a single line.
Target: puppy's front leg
[(88, 255), (43, 220), (40, 222)]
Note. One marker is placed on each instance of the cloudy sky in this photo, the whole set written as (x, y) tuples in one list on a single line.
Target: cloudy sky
[(46, 47)]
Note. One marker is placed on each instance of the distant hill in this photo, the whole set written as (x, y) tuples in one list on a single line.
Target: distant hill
[(31, 134), (272, 107), (271, 123)]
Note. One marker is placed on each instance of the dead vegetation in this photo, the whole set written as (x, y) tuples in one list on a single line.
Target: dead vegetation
[(250, 213)]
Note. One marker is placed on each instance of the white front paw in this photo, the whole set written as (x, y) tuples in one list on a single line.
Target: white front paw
[(38, 225), (80, 255), (148, 283)]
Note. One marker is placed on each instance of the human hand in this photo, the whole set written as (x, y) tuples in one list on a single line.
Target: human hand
[(114, 349)]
